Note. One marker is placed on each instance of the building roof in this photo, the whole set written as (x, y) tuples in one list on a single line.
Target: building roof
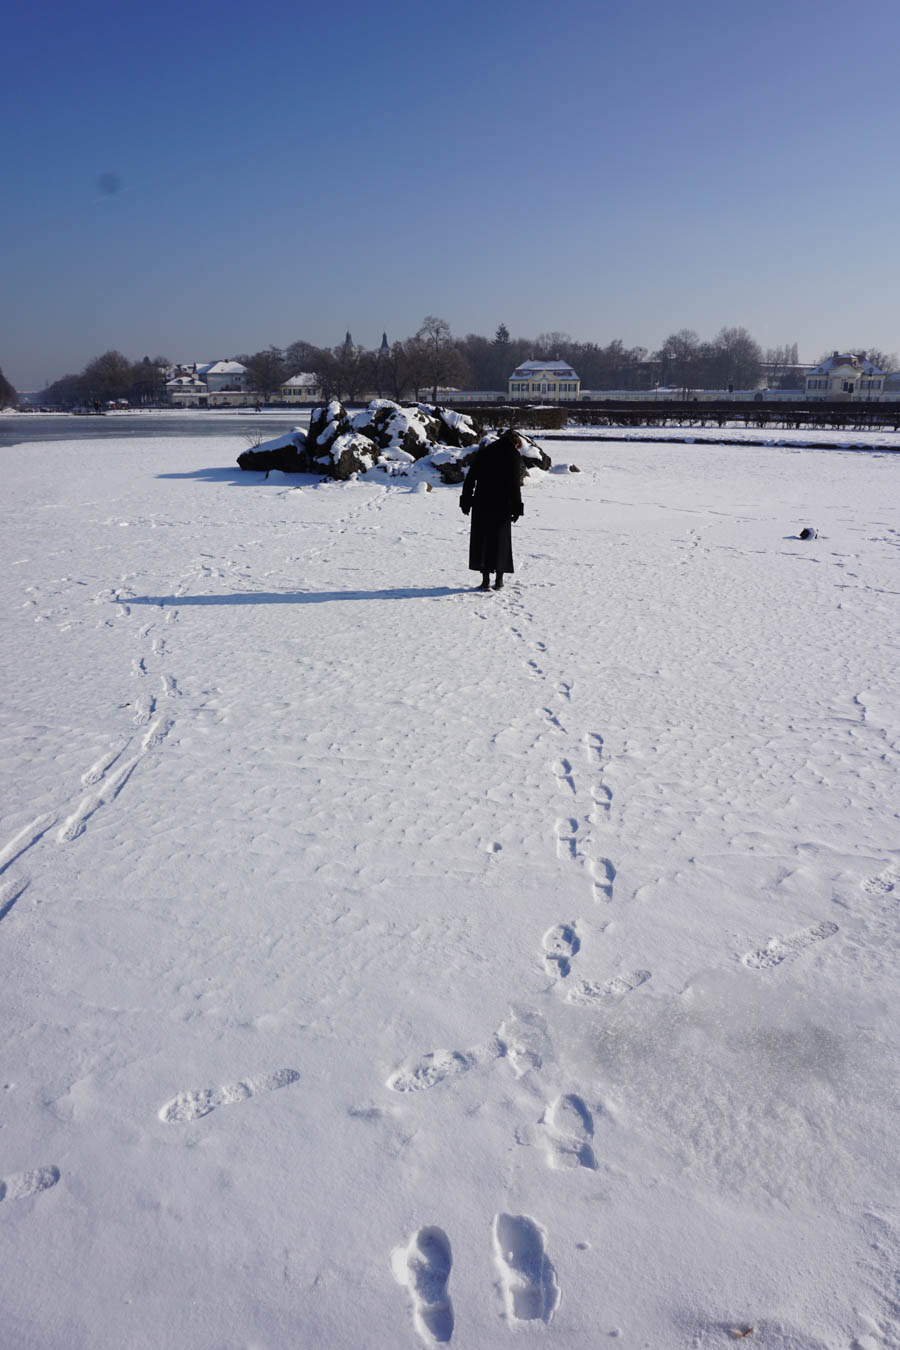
[(857, 360), (528, 368), (223, 368), (302, 380)]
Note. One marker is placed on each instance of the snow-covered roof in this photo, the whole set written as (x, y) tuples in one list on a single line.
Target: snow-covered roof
[(857, 360), (303, 380), (528, 368), (223, 368)]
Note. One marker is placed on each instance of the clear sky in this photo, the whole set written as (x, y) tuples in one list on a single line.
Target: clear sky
[(197, 180)]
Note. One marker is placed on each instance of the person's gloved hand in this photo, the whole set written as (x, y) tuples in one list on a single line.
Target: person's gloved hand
[(464, 507), (516, 515)]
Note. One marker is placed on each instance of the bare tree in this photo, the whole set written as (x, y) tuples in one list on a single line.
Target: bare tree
[(300, 356), (8, 395), (886, 361), (442, 361), (679, 359), (354, 369), (736, 360), (266, 370), (397, 370)]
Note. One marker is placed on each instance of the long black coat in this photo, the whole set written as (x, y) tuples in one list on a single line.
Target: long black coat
[(493, 492)]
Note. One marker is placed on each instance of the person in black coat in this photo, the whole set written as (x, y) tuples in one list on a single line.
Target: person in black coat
[(492, 492)]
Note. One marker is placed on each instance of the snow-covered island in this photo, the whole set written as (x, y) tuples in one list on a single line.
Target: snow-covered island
[(387, 964)]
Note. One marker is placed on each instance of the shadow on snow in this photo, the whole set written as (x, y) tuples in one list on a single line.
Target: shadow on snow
[(300, 597)]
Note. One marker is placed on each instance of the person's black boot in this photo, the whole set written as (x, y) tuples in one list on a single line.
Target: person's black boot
[(498, 584), (485, 582)]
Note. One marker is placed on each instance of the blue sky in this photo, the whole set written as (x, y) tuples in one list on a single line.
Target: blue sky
[(207, 179)]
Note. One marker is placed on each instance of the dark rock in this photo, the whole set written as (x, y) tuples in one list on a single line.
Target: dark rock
[(327, 421)]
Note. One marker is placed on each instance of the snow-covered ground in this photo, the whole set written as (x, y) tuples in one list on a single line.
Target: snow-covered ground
[(386, 963)]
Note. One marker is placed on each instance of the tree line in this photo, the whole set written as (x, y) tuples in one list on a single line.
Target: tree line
[(8, 395), (432, 359)]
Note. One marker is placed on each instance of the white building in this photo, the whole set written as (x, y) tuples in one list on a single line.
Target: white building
[(228, 375), (544, 382), (186, 391), (303, 387), (845, 375)]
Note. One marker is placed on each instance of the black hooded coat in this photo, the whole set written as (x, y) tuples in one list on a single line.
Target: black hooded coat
[(492, 491)]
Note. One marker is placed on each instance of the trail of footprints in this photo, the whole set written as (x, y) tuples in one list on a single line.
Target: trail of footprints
[(527, 1277), (588, 808)]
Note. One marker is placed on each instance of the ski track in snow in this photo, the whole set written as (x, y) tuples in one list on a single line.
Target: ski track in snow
[(10, 890), (98, 773)]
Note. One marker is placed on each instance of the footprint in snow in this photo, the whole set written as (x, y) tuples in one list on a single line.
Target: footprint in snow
[(603, 874), (593, 742), (423, 1266), (612, 990), (99, 768), (145, 710), (524, 1041), (561, 943), (564, 777), (21, 1185), (778, 949), (570, 1128), (527, 1277), (432, 1069), (109, 790), (193, 1105), (567, 838), (885, 882), (157, 733)]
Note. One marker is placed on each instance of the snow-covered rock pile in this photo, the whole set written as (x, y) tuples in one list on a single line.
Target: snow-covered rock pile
[(430, 443)]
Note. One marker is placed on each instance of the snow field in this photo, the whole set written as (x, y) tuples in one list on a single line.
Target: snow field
[(540, 944)]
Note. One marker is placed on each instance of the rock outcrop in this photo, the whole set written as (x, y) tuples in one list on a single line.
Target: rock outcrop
[(385, 438)]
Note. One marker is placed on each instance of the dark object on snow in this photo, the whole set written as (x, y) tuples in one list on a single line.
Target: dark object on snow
[(808, 532), (493, 493), (290, 457), (573, 468)]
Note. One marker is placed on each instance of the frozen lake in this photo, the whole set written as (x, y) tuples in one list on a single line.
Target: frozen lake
[(388, 964), (24, 428)]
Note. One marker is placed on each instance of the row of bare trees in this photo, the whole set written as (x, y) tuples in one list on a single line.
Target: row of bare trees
[(424, 363), (433, 359), (108, 377)]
